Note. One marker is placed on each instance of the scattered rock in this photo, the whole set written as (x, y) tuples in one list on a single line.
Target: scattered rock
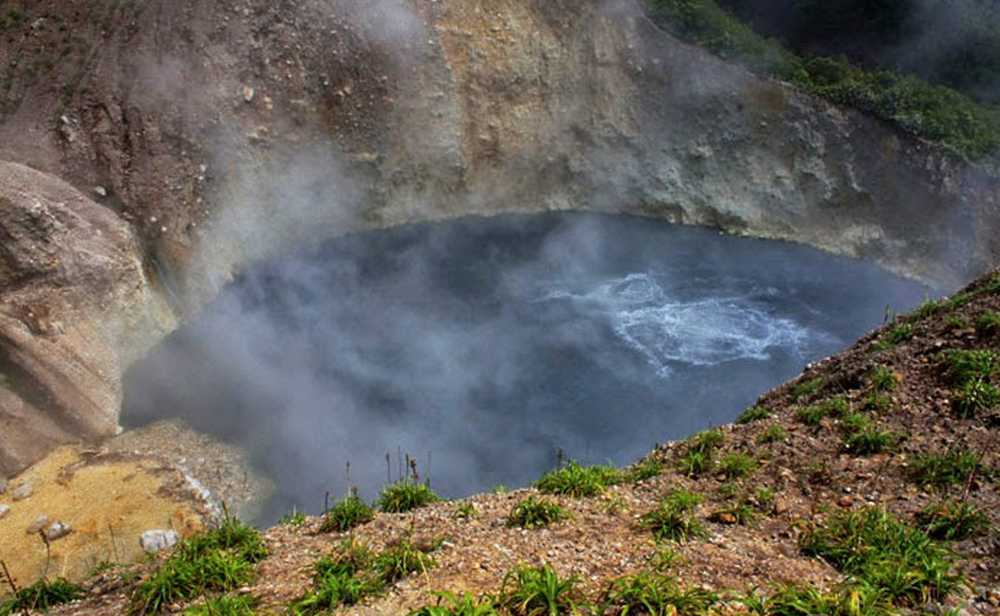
[(101, 191), (4, 510), (248, 94), (23, 491), (40, 522), (845, 501), (153, 541), (57, 530)]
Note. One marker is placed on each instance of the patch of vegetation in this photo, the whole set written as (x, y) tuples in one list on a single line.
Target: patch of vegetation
[(226, 605), (293, 518), (956, 321), (882, 379), (752, 414), (531, 591), (740, 512), (673, 519), (641, 471), (217, 561), (807, 600), (897, 334), (41, 596), (974, 397), (962, 366), (884, 554), (466, 511), (862, 437), (736, 465), (932, 112), (928, 308), (988, 324), (941, 470), (653, 593), (698, 459), (536, 513), (400, 560), (773, 434), (764, 499), (807, 389), (953, 521), (819, 473), (811, 415), (404, 496), (450, 604), (342, 580), (11, 19), (579, 481), (352, 511)]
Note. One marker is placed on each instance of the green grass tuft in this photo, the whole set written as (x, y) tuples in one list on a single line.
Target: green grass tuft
[(641, 471), (773, 434), (736, 465), (352, 512), (673, 519), (803, 600), (401, 560), (653, 593), (752, 414), (807, 389), (579, 481), (536, 513), (988, 324), (962, 366), (293, 518), (41, 596), (974, 397), (404, 496), (225, 605), (450, 604), (953, 521), (941, 470), (531, 591), (883, 553), (883, 379), (862, 437)]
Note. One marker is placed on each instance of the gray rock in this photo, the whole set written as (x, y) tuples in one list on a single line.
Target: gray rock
[(23, 491), (40, 522), (4, 510), (57, 530), (153, 541)]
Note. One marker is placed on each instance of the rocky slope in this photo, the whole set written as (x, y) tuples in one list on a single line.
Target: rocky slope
[(210, 133), (815, 456)]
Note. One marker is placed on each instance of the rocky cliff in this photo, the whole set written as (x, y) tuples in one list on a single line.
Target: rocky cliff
[(204, 134)]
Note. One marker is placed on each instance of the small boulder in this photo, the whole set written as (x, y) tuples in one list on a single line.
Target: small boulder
[(153, 541), (23, 491), (40, 522), (4, 510), (57, 530)]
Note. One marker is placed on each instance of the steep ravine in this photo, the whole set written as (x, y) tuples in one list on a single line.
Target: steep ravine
[(214, 133)]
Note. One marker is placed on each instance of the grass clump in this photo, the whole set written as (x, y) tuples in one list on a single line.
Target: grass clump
[(897, 334), (404, 496), (941, 470), (294, 518), (225, 605), (535, 513), (699, 457), (673, 519), (641, 471), (41, 596), (216, 561), (740, 512), (736, 465), (884, 554), (401, 560), (862, 437), (953, 521), (579, 481), (451, 604), (974, 397), (352, 511), (962, 366), (988, 324), (466, 511), (803, 600), (342, 580), (653, 593), (752, 414), (883, 379), (807, 389), (531, 591), (773, 434)]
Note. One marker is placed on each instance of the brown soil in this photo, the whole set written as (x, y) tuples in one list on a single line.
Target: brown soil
[(811, 475)]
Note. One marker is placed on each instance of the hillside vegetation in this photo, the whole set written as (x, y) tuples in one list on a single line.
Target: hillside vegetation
[(933, 112), (867, 486)]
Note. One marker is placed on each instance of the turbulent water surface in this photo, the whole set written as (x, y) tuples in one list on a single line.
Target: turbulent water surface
[(482, 347)]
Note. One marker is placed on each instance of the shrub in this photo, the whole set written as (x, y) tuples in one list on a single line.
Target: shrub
[(736, 465), (885, 554), (352, 511), (579, 481), (988, 324), (404, 496), (773, 434), (953, 521), (651, 593), (535, 513), (673, 519), (530, 591), (226, 605), (975, 396), (752, 414), (450, 604), (940, 470), (41, 596)]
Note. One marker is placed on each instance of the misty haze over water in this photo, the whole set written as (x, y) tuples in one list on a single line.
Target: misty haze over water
[(491, 344)]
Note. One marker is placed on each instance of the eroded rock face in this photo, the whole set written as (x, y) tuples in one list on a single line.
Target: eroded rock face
[(75, 306), (221, 132)]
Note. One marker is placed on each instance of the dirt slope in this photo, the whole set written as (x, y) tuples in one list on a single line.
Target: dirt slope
[(896, 378)]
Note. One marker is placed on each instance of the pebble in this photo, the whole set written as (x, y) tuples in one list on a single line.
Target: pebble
[(153, 541), (57, 530), (23, 491), (4, 510), (40, 522)]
